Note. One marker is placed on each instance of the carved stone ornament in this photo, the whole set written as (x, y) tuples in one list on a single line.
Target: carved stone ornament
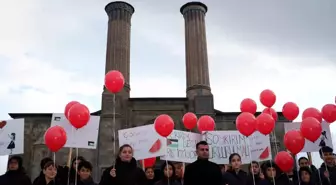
[(119, 6)]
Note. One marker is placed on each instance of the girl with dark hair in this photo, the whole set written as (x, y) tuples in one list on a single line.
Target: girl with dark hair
[(273, 175), (50, 172), (15, 174), (235, 175), (306, 178), (254, 175), (125, 170), (150, 175), (72, 173), (168, 177)]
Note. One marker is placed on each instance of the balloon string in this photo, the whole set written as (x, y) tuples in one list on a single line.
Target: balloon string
[(54, 158), (275, 142), (70, 166), (167, 171), (76, 175), (250, 153), (272, 173), (113, 126)]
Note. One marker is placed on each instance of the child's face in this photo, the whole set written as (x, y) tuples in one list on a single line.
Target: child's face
[(168, 172), (84, 173), (328, 157)]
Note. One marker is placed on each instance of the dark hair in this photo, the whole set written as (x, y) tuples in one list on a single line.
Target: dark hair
[(232, 155), (48, 164), (44, 161), (85, 164), (16, 158), (80, 158), (325, 149), (149, 168), (250, 165), (124, 146), (306, 169), (14, 135), (164, 165), (302, 158), (201, 143)]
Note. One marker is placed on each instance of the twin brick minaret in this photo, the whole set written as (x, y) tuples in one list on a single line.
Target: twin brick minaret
[(118, 45)]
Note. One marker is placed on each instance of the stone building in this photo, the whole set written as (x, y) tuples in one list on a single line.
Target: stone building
[(132, 112)]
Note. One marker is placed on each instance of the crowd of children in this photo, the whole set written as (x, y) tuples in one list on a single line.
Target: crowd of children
[(202, 172)]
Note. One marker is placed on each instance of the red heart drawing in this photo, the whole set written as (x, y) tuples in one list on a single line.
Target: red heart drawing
[(3, 124)]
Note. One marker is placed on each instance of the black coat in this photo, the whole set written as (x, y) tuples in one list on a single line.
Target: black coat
[(42, 181), (251, 178), (233, 178), (126, 174), (15, 178), (332, 174), (202, 172), (86, 182)]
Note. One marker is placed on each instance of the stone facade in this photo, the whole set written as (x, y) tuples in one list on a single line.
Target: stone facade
[(131, 112)]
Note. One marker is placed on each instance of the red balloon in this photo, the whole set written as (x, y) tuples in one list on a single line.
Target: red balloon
[(311, 129), (149, 162), (68, 106), (206, 123), (312, 112), (189, 120), (294, 141), (55, 138), (329, 113), (271, 112), (284, 161), (114, 81), (248, 105), (246, 123), (164, 125), (265, 123), (267, 98), (290, 111), (79, 115)]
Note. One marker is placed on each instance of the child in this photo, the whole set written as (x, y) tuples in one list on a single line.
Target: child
[(168, 177), (84, 174)]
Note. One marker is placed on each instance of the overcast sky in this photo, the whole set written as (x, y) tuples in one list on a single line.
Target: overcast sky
[(52, 52)]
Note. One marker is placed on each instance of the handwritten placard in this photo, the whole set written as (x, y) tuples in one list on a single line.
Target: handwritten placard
[(223, 143), (181, 146), (146, 143)]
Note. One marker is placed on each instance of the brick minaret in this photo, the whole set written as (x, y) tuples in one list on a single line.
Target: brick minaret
[(119, 39), (198, 82), (117, 58)]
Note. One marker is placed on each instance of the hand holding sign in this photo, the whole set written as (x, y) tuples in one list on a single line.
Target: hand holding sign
[(113, 172)]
